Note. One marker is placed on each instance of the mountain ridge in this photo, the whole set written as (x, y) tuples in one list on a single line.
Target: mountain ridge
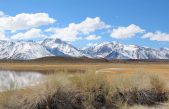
[(25, 50)]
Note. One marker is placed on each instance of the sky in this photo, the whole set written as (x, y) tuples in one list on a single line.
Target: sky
[(87, 22)]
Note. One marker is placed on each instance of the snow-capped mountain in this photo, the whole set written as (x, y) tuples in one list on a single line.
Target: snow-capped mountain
[(25, 50), (22, 50), (29, 50), (115, 50), (5, 49), (58, 47)]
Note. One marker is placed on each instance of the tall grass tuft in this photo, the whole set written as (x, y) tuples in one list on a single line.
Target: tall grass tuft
[(89, 91)]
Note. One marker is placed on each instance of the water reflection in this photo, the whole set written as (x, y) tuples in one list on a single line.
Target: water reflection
[(10, 80)]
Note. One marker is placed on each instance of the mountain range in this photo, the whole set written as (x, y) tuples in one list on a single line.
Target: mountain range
[(25, 50)]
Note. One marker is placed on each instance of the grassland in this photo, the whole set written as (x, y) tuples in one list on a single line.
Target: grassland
[(91, 85)]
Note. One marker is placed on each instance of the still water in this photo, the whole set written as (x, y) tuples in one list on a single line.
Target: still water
[(10, 80)]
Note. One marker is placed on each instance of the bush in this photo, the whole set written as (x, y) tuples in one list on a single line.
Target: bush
[(90, 91)]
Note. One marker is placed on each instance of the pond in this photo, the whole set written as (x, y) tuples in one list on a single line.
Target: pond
[(10, 80)]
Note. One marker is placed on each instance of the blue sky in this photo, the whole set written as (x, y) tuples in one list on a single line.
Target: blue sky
[(140, 22)]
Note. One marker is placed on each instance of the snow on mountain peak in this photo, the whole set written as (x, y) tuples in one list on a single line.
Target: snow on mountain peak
[(56, 47), (116, 50), (22, 50)]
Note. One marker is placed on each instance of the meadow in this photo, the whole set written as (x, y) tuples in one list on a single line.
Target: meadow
[(91, 85)]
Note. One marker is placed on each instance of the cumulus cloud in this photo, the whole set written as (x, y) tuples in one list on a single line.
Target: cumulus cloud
[(2, 35), (89, 25), (64, 34), (157, 36), (1, 13), (31, 34), (91, 44), (24, 21), (93, 37), (73, 30), (126, 32)]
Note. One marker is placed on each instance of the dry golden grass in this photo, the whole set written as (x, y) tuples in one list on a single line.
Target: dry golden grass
[(89, 90), (85, 82), (129, 68)]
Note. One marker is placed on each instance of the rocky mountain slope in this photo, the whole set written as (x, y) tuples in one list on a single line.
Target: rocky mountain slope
[(24, 50)]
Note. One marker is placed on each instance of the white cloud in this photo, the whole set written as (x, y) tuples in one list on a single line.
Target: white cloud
[(2, 35), (1, 13), (93, 37), (24, 21), (91, 44), (158, 36), (31, 34), (73, 31), (89, 25), (126, 32), (64, 34)]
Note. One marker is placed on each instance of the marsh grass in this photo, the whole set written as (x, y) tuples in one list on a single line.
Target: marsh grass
[(89, 91), (4, 98)]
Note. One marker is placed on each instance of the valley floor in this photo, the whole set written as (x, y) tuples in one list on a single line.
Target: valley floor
[(109, 68), (136, 72)]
